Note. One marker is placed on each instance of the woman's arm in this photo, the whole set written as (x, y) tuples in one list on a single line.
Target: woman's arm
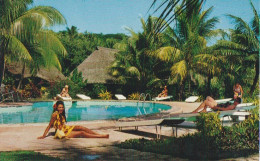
[(53, 117)]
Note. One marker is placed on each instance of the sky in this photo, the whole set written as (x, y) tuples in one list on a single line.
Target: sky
[(112, 16)]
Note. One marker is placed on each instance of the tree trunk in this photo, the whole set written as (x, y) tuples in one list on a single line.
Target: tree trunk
[(2, 64), (208, 92), (22, 77), (256, 77), (182, 86)]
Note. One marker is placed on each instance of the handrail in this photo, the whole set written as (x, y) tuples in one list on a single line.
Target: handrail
[(142, 95), (148, 94)]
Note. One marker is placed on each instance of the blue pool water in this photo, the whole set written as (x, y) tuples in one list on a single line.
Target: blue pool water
[(78, 111)]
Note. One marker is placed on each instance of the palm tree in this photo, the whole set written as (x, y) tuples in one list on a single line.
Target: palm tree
[(133, 65), (23, 35), (243, 44), (73, 32), (187, 42), (167, 16)]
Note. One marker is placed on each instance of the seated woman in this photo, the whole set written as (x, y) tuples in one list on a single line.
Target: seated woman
[(164, 92), (65, 91), (58, 120), (211, 103), (238, 91)]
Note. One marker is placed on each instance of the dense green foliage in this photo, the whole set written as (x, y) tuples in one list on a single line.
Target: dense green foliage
[(178, 56), (25, 155), (81, 45), (25, 38), (212, 141), (75, 83)]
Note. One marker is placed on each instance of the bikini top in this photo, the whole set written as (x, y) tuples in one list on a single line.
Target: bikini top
[(237, 90), (57, 121)]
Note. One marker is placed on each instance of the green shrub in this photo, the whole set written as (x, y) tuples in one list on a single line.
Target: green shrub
[(134, 96), (97, 89), (209, 124), (105, 95)]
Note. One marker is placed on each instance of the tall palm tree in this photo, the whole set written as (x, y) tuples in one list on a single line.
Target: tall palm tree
[(187, 42), (243, 44), (168, 15), (23, 34), (133, 65)]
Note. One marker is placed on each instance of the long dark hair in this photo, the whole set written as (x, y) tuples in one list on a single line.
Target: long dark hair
[(55, 108)]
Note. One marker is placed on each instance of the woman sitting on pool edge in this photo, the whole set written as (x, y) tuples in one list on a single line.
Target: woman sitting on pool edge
[(58, 120)]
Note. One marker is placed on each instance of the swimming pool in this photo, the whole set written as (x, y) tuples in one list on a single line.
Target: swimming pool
[(78, 111)]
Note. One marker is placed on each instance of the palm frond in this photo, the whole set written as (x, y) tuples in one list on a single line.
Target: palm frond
[(179, 69), (16, 48)]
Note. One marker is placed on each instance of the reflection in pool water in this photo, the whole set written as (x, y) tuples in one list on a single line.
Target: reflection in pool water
[(78, 111)]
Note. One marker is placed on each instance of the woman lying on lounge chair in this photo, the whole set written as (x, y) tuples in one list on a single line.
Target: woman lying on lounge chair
[(211, 103), (164, 92), (58, 120)]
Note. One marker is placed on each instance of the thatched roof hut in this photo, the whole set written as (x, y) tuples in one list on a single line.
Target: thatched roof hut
[(50, 75), (95, 67)]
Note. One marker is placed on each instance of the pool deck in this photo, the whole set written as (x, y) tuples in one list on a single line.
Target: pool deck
[(24, 137)]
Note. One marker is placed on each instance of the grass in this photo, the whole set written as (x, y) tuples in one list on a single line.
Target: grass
[(25, 155)]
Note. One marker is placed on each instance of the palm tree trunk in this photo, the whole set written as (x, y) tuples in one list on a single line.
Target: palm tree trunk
[(2, 64), (208, 92), (256, 77), (181, 94), (22, 77)]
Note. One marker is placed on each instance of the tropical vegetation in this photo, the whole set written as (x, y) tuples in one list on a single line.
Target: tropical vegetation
[(24, 37), (161, 54), (218, 142)]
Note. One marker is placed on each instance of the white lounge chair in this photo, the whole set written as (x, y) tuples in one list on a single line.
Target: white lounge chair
[(64, 98), (83, 97), (120, 97), (223, 100), (192, 99), (162, 98)]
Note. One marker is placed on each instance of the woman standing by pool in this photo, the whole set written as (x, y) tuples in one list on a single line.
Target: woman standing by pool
[(58, 120)]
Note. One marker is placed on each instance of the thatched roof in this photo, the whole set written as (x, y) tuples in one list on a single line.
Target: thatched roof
[(95, 67), (50, 75)]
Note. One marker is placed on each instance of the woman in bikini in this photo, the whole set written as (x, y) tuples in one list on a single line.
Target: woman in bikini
[(238, 91), (164, 92), (65, 91), (58, 120), (211, 103)]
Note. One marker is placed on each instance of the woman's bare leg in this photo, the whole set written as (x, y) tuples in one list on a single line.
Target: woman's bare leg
[(81, 128), (210, 99), (83, 134), (202, 105)]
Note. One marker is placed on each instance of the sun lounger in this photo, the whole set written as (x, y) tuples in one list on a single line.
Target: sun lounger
[(162, 98), (120, 97), (83, 97), (191, 99), (157, 122), (64, 98), (223, 100)]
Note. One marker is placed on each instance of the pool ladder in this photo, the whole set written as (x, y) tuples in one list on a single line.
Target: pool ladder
[(143, 96)]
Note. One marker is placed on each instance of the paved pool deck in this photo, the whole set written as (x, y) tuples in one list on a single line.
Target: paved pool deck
[(24, 137)]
